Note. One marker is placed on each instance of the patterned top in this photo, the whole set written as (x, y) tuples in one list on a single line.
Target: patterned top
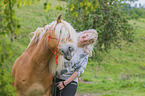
[(78, 62)]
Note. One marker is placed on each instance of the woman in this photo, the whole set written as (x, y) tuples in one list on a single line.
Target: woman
[(67, 79)]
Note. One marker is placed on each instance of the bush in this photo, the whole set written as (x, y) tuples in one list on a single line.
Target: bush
[(6, 79)]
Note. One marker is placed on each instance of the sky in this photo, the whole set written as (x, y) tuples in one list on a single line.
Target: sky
[(139, 1), (142, 2)]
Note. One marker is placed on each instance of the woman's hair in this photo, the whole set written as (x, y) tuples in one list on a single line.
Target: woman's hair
[(89, 48)]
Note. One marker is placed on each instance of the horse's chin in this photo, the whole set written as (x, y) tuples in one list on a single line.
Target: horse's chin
[(68, 58)]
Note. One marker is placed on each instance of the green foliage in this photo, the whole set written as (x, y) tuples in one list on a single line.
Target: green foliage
[(137, 13), (86, 5), (106, 17), (9, 22), (134, 12), (5, 73), (129, 0)]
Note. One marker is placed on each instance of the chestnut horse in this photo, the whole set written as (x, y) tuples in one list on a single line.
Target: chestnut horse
[(33, 70)]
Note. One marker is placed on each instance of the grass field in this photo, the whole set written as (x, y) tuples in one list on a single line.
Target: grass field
[(121, 73)]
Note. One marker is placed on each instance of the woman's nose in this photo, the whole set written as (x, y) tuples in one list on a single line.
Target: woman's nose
[(85, 39), (83, 36)]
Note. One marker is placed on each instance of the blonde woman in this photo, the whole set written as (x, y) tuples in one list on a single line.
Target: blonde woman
[(67, 79)]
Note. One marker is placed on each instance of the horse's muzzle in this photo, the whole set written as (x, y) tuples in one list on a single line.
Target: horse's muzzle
[(67, 51)]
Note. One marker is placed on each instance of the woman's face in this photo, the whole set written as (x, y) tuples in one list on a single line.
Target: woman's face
[(84, 39)]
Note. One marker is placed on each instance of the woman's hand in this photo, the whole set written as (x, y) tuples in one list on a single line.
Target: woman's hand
[(60, 85)]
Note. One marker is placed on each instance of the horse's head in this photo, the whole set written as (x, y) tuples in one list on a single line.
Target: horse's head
[(62, 38)]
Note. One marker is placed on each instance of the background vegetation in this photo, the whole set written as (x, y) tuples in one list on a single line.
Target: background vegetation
[(116, 69)]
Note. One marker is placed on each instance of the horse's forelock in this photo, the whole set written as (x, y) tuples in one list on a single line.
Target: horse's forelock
[(64, 31), (65, 27)]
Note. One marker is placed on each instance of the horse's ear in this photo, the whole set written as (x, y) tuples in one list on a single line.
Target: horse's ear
[(59, 18)]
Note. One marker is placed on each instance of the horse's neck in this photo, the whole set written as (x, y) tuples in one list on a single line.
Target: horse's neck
[(41, 54)]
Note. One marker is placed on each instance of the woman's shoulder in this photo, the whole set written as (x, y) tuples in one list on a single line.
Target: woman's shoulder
[(80, 52)]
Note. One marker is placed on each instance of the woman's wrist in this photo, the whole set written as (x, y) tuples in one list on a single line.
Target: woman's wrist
[(64, 83)]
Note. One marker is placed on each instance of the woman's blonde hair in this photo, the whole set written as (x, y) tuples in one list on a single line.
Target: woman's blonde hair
[(89, 48)]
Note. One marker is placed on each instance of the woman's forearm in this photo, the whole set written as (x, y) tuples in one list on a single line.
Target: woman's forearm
[(71, 78)]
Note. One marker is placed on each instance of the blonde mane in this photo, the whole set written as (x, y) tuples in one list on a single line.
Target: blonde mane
[(63, 30)]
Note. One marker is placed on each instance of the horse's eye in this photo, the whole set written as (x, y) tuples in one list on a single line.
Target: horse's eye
[(69, 38), (60, 31)]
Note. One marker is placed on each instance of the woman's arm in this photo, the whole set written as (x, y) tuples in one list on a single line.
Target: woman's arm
[(67, 81)]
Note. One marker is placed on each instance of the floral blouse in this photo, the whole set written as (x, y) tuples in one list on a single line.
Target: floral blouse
[(78, 62)]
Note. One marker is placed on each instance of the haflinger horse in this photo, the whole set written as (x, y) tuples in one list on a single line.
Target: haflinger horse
[(33, 70)]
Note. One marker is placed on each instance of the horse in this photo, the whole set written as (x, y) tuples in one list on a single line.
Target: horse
[(33, 71)]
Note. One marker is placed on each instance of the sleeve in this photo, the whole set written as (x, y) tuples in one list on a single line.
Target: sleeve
[(83, 63)]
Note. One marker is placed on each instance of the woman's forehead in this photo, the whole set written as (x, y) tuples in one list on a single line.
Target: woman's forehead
[(86, 33)]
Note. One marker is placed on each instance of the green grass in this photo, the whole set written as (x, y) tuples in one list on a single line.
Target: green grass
[(121, 73)]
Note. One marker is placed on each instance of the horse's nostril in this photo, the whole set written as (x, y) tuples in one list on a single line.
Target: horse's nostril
[(69, 48)]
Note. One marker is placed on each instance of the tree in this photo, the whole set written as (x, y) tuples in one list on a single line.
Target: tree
[(137, 13), (106, 17), (131, 1)]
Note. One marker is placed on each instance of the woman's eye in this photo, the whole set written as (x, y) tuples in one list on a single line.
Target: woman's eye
[(91, 41)]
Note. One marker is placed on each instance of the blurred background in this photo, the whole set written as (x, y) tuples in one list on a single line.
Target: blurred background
[(117, 67)]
